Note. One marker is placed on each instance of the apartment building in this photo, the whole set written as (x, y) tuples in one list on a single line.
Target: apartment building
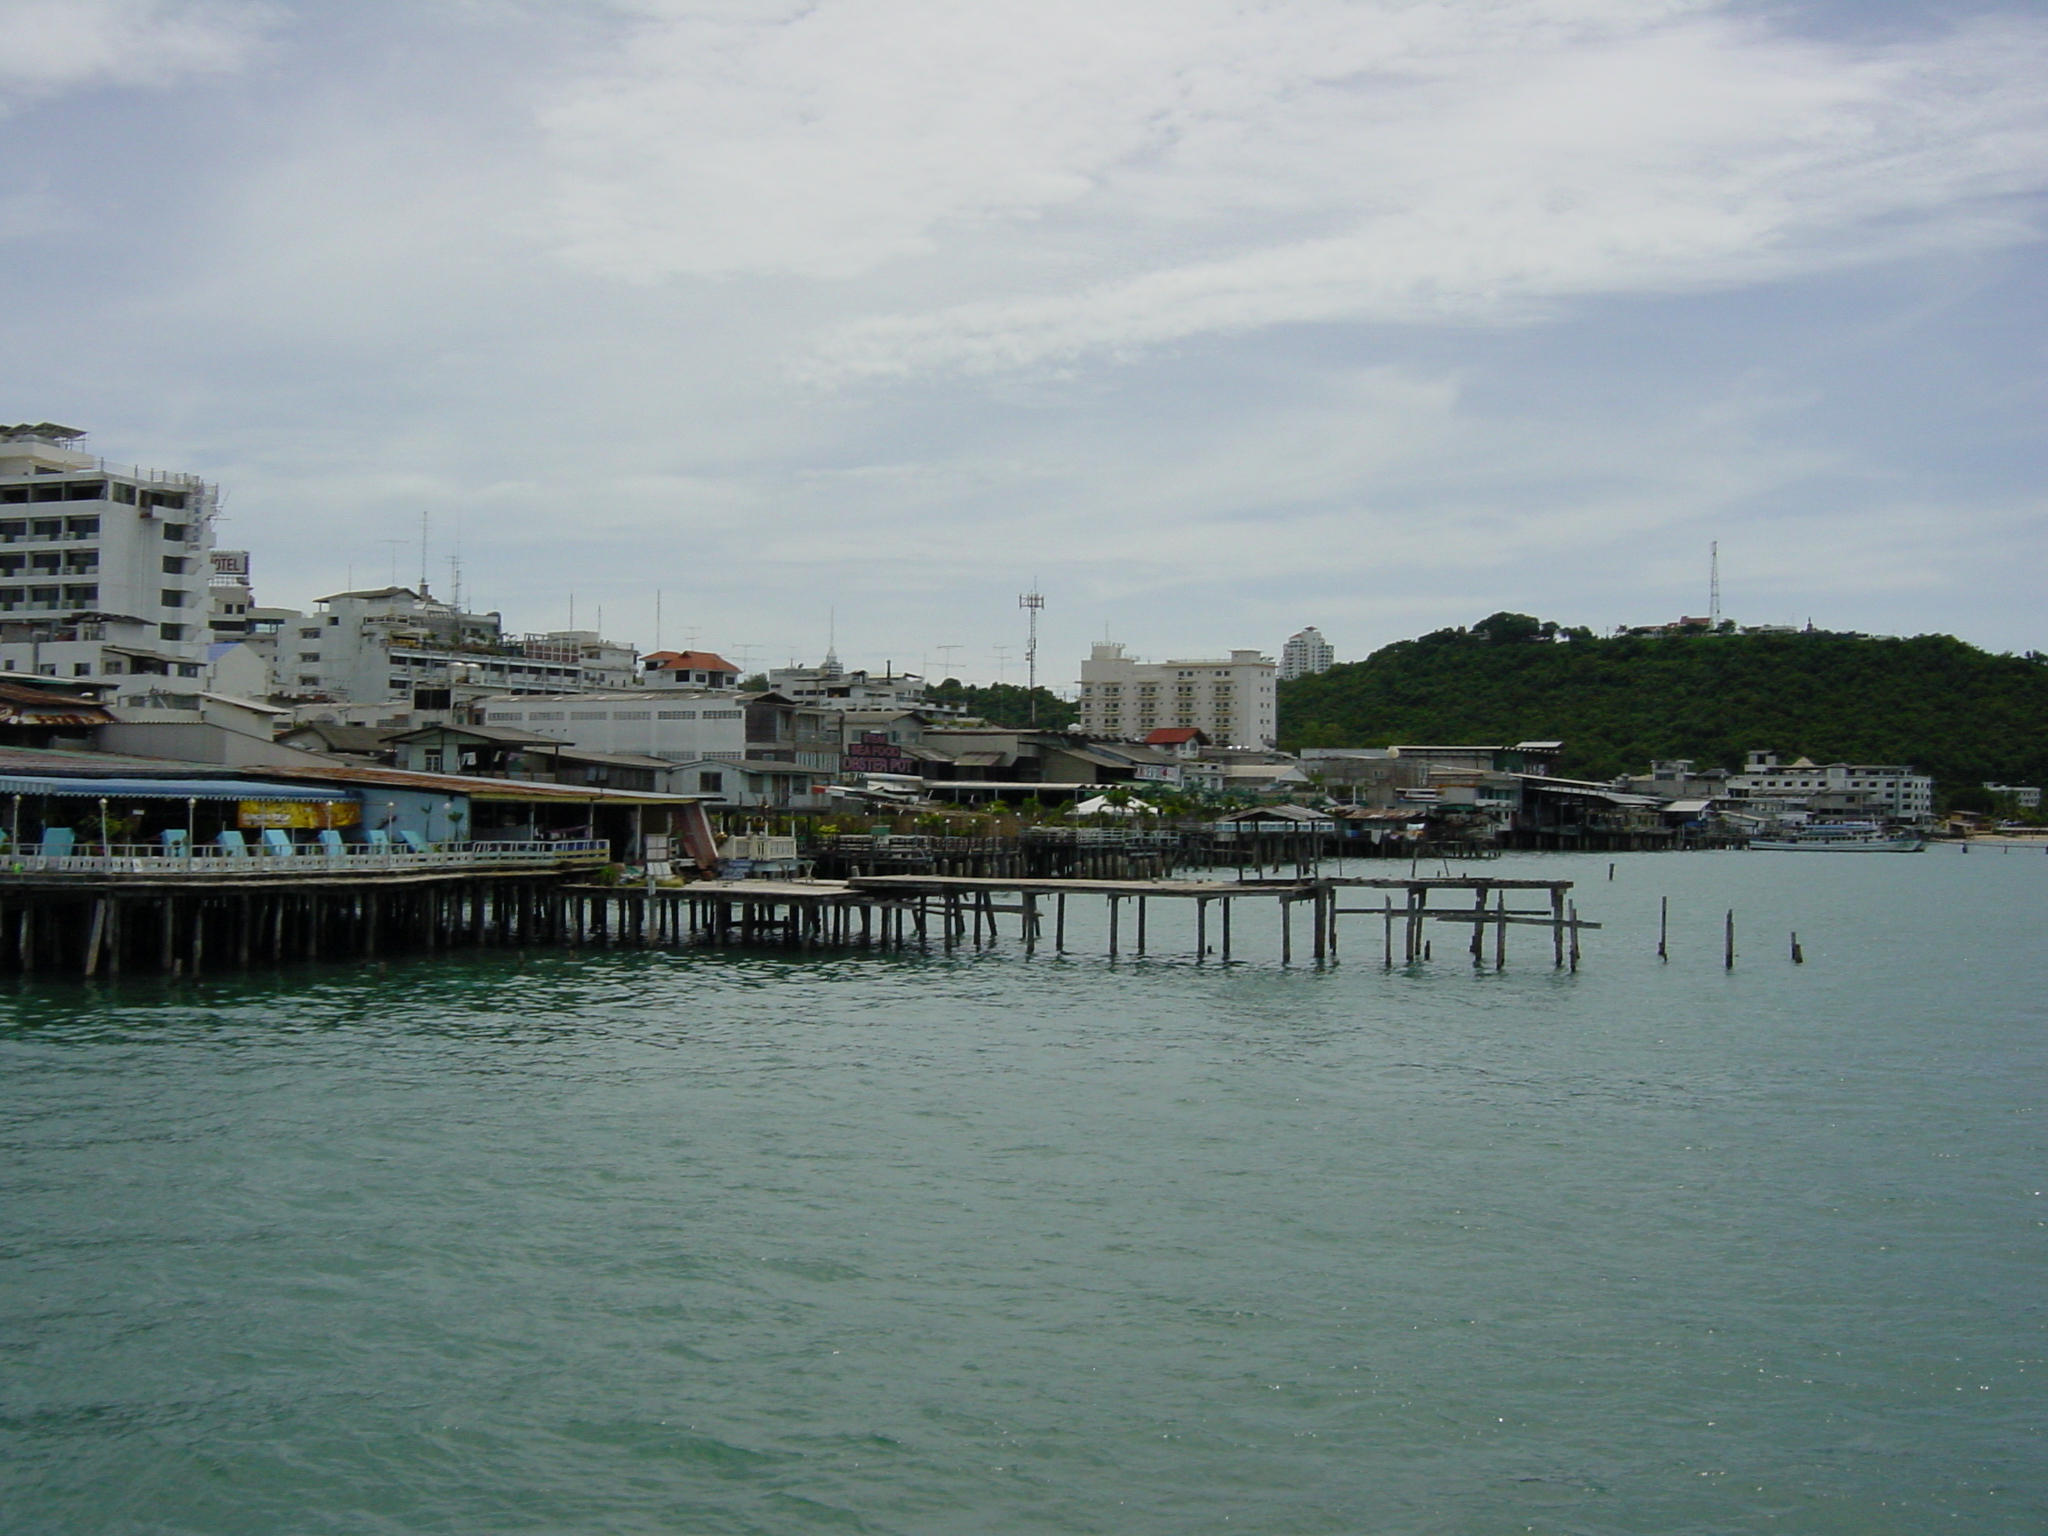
[(1232, 701), (1304, 653), (103, 569), (1886, 789)]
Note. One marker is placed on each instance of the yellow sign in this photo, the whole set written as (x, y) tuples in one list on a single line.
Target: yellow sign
[(316, 815)]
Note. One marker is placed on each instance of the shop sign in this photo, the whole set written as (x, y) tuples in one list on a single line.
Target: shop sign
[(302, 815)]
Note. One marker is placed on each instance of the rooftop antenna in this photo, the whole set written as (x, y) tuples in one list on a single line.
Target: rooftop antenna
[(657, 618), (572, 610), (1002, 661), (946, 659), (423, 554), (1033, 604), (394, 543), (1714, 584)]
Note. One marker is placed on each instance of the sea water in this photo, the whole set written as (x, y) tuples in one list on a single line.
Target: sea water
[(987, 1242)]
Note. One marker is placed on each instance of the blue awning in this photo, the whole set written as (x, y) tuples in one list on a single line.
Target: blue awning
[(167, 789)]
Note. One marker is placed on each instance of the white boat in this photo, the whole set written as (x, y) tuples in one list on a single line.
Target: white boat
[(1840, 837)]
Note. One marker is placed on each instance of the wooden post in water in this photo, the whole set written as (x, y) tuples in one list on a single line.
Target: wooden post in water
[(1387, 913), (1141, 925), (1113, 915), (1479, 926), (1663, 927), (1798, 954), (1574, 909), (1728, 943), (1059, 923), (96, 937), (1500, 936), (1557, 926), (1201, 929), (1226, 928), (1286, 931)]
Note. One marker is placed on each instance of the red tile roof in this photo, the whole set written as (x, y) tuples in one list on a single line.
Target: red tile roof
[(691, 661)]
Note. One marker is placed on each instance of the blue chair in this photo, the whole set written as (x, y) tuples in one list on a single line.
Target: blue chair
[(414, 843), (58, 842), (378, 839), (331, 844), (177, 842), (232, 843), (277, 842)]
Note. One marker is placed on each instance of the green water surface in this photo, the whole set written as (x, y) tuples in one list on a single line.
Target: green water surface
[(638, 1243)]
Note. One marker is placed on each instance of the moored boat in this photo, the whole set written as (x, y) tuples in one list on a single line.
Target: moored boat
[(1840, 837)]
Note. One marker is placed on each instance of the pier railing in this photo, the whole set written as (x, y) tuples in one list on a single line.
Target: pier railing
[(149, 859)]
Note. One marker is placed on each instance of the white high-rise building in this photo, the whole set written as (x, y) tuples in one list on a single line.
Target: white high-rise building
[(1305, 653), (103, 568), (1232, 702)]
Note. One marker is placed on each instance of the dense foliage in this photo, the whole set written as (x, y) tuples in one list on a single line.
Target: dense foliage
[(1947, 708), (1007, 703)]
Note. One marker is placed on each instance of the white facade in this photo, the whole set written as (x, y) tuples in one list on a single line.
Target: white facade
[(103, 569), (1305, 653), (831, 686), (1896, 791), (1231, 701), (666, 723), (395, 644)]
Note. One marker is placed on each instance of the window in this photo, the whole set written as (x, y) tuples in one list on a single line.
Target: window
[(88, 594), (82, 527), (124, 493), (677, 714), (308, 656), (42, 597), (48, 562), (631, 714), (171, 631), (46, 528), (176, 532), (430, 759), (711, 783), (172, 597), (188, 669), (540, 714), (81, 669), (586, 714), (500, 717), (174, 565), (309, 682), (723, 714)]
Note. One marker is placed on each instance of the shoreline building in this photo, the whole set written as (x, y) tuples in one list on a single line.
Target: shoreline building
[(1233, 700), (1833, 788), (1305, 653), (103, 569)]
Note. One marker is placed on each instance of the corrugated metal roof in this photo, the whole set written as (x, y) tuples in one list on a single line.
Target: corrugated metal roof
[(110, 788)]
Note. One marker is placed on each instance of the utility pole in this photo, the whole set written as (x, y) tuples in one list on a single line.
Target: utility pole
[(1714, 584), (1033, 604)]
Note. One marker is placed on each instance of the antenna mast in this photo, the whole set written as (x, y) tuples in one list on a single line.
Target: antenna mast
[(423, 556), (1033, 604), (1714, 583)]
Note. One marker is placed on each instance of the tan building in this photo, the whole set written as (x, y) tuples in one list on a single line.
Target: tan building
[(1232, 702)]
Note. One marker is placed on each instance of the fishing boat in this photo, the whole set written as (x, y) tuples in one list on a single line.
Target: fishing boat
[(1840, 837)]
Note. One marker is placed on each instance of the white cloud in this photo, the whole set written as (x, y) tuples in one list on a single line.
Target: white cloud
[(1076, 177), (56, 45)]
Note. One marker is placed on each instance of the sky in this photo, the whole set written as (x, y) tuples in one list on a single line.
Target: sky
[(763, 325)]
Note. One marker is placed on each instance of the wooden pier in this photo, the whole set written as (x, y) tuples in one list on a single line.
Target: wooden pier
[(108, 915), (950, 911)]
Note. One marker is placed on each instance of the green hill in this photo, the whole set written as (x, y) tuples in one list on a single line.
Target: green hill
[(1962, 714), (1007, 703)]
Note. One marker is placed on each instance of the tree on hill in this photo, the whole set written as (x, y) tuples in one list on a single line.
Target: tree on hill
[(1007, 703), (1947, 708)]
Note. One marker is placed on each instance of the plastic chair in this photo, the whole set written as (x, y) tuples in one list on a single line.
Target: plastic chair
[(277, 842), (414, 843), (331, 843), (378, 839), (232, 843), (58, 842), (177, 842)]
